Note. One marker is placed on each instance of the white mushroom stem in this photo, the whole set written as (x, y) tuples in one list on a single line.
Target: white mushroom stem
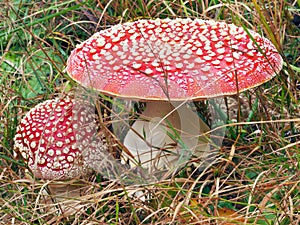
[(165, 135), (66, 189), (65, 195)]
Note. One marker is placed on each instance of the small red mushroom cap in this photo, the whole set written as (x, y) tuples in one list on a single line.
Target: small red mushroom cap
[(176, 59), (53, 135)]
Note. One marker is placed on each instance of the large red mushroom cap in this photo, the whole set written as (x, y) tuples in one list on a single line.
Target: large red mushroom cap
[(53, 136), (178, 59)]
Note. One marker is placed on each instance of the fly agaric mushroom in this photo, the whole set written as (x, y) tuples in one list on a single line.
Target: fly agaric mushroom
[(163, 61), (53, 136)]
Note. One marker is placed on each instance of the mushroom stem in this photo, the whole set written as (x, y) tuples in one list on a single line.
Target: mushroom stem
[(64, 190), (165, 135), (65, 194)]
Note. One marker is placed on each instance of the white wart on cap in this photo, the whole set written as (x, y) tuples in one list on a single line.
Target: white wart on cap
[(53, 135)]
